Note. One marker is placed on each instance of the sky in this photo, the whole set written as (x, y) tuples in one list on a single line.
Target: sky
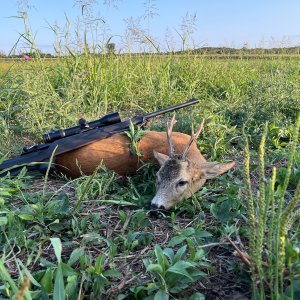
[(231, 23)]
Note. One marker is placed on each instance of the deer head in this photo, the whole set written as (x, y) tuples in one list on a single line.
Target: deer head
[(179, 177)]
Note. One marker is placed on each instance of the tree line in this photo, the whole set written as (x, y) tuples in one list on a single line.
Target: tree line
[(203, 50)]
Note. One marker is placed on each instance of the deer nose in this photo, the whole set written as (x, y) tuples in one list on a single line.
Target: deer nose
[(155, 207)]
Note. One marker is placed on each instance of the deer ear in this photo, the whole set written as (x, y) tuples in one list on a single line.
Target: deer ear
[(161, 158), (211, 170)]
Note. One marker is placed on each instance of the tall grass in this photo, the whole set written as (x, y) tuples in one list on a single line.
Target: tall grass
[(41, 94)]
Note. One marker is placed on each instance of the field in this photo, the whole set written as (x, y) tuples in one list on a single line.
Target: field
[(93, 237)]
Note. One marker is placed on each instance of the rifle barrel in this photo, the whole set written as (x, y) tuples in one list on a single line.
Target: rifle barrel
[(171, 108)]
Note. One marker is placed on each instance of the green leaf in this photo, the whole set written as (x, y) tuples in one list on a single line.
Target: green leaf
[(26, 271), (155, 268), (176, 240), (161, 295), (146, 262), (112, 273), (199, 254), (180, 268), (47, 280), (98, 286), (61, 204), (169, 253), (67, 270), (46, 263), (159, 254), (3, 221), (180, 253), (7, 191), (99, 267), (178, 286), (293, 290), (71, 287), (196, 273), (197, 296), (75, 255), (202, 234), (56, 243), (122, 215), (188, 231), (59, 287), (26, 217)]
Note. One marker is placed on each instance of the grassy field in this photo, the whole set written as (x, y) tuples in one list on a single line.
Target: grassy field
[(230, 241)]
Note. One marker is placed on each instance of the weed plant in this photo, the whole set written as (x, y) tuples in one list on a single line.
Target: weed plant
[(271, 215)]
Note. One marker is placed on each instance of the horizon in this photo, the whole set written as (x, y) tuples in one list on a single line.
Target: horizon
[(140, 25)]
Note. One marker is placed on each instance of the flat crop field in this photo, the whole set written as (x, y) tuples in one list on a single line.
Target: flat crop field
[(93, 237)]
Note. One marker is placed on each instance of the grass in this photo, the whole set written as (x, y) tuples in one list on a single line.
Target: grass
[(81, 237)]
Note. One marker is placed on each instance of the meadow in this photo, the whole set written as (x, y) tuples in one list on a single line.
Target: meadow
[(93, 238)]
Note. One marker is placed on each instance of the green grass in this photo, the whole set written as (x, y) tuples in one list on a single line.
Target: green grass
[(43, 94), (81, 237)]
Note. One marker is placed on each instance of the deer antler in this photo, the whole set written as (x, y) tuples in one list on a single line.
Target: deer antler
[(192, 139), (169, 136)]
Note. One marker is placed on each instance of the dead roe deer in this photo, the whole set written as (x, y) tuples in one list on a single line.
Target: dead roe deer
[(179, 176)]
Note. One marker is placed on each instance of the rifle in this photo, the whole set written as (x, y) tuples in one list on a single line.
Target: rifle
[(56, 142)]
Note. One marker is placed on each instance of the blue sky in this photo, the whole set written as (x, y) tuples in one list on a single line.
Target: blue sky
[(218, 22)]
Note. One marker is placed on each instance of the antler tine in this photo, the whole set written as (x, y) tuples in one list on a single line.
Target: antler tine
[(192, 139), (169, 136)]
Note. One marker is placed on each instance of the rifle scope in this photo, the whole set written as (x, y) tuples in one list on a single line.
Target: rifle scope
[(108, 119)]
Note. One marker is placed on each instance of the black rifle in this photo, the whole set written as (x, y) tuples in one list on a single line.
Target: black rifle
[(36, 157)]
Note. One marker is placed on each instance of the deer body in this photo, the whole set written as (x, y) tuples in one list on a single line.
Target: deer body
[(114, 153), (179, 176)]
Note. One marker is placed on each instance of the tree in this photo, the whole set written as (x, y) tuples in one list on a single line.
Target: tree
[(111, 48)]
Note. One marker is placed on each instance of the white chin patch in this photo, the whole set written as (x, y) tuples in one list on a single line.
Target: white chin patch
[(158, 202)]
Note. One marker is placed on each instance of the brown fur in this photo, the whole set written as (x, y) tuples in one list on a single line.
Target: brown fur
[(179, 178), (114, 152)]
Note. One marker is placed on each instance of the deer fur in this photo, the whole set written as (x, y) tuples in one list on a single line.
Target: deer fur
[(114, 153)]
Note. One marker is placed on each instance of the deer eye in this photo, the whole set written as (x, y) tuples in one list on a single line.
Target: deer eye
[(182, 183)]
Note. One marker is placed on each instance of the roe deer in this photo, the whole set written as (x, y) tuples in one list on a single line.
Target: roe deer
[(179, 176)]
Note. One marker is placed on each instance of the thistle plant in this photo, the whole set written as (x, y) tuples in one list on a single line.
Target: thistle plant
[(279, 215)]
